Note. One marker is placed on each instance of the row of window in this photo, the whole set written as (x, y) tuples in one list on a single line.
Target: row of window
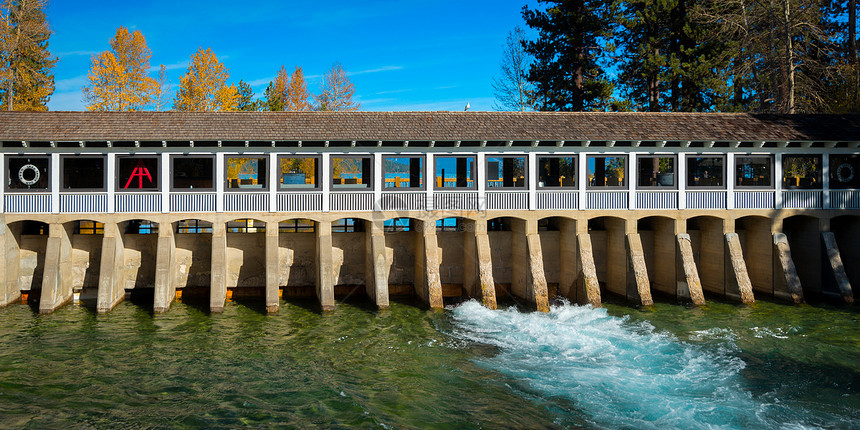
[(197, 172)]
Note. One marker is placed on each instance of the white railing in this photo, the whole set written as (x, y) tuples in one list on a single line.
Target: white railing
[(656, 200), (137, 202), (404, 201), (456, 201), (246, 202), (754, 199), (83, 202), (502, 200), (706, 200), (192, 202), (607, 200), (844, 199), (300, 202), (356, 201), (796, 199), (557, 200), (27, 203)]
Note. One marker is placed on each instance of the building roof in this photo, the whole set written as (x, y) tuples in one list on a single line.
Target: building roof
[(423, 126)]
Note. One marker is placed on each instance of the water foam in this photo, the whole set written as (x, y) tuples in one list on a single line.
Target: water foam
[(616, 373)]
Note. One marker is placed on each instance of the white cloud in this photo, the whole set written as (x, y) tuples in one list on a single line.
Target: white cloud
[(69, 100), (377, 70), (392, 92), (174, 66), (71, 83)]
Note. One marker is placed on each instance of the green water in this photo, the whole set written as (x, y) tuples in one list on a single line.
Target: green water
[(405, 367)]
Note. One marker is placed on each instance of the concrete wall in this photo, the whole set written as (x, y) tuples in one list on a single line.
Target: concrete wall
[(847, 232), (599, 249), (757, 244), (246, 259), (400, 254), (86, 260), (708, 242), (193, 260), (804, 237), (139, 260), (32, 267), (296, 259), (348, 258), (500, 250), (549, 242), (451, 251)]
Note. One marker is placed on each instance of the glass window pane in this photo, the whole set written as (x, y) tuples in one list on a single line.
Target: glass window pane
[(28, 173), (246, 173), (138, 173), (298, 172), (83, 173), (801, 171), (506, 172), (657, 172), (607, 171), (753, 171), (404, 172), (557, 172), (351, 172), (193, 172), (455, 172), (844, 171), (705, 172)]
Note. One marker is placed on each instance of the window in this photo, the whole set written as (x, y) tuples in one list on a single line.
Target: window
[(297, 226), (754, 171), (246, 226), (455, 172), (141, 227), (28, 173), (404, 172), (450, 224), (193, 172), (352, 173), (34, 228), (656, 171), (506, 172), (801, 172), (397, 225), (137, 174), (347, 225), (298, 173), (191, 226), (83, 173), (89, 227), (607, 171), (246, 173), (557, 172), (704, 171), (844, 171)]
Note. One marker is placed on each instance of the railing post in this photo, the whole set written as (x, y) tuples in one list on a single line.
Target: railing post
[(55, 183), (429, 181), (481, 180), (165, 183), (777, 181), (531, 180), (378, 181), (631, 184), (274, 171), (219, 182), (681, 180), (111, 182), (325, 178), (582, 180), (825, 181), (730, 181)]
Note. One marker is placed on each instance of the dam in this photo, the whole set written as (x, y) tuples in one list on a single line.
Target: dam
[(436, 205)]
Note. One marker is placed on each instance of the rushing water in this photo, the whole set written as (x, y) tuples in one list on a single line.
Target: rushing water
[(721, 366)]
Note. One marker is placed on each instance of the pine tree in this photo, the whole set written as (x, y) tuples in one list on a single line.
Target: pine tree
[(567, 70), (336, 91), (204, 86), (276, 91), (246, 102), (26, 81), (297, 97), (119, 78)]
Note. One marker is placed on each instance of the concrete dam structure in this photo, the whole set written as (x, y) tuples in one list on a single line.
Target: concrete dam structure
[(261, 206)]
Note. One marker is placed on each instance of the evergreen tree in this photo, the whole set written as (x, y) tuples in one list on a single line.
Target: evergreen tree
[(571, 42), (276, 91), (246, 100), (26, 81)]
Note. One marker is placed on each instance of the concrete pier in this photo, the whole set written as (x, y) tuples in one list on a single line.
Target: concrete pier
[(478, 265), (165, 270), (528, 280), (790, 288), (738, 285), (428, 285), (836, 265), (10, 265), (324, 264), (272, 268), (588, 287), (376, 265), (57, 278), (689, 286), (637, 277), (218, 274), (708, 244), (111, 270)]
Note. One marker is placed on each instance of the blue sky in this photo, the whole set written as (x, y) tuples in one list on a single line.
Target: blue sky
[(401, 55)]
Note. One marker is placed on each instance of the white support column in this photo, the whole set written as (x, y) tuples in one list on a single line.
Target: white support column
[(631, 182), (165, 182), (825, 181), (2, 188), (111, 182), (481, 180), (730, 181), (377, 181), (325, 178), (531, 180), (681, 180), (219, 182), (582, 179), (429, 180), (274, 170), (777, 181), (55, 183)]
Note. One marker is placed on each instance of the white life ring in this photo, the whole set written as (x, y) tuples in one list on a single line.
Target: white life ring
[(24, 169), (843, 177)]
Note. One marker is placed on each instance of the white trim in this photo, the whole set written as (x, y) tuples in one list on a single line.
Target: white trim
[(274, 170), (378, 181), (111, 181), (825, 180), (429, 180), (3, 188), (730, 181), (55, 183), (777, 181), (165, 182), (325, 177), (582, 179), (481, 179), (531, 179), (631, 180), (219, 182), (681, 180)]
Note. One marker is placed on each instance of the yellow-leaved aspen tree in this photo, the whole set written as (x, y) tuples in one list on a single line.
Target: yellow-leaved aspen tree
[(298, 98), (118, 77), (336, 91), (162, 90), (204, 86), (26, 81)]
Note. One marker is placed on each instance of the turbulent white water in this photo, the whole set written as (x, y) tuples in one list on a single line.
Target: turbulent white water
[(616, 374)]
